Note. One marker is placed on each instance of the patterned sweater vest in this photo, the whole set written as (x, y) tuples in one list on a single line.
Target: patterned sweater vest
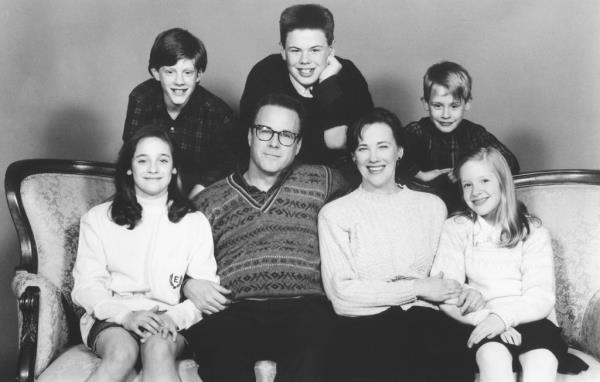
[(270, 249)]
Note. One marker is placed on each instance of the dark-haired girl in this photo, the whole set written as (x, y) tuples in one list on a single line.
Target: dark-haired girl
[(133, 255)]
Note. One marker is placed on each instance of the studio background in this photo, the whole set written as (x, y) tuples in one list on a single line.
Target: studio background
[(67, 67)]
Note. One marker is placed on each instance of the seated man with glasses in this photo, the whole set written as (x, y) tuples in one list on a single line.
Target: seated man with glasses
[(270, 303)]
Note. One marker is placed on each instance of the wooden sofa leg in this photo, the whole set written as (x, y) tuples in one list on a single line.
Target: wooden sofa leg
[(29, 306)]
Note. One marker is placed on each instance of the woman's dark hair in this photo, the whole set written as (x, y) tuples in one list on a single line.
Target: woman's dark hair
[(125, 209), (376, 115)]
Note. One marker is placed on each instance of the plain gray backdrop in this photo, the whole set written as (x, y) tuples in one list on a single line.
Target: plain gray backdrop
[(67, 67)]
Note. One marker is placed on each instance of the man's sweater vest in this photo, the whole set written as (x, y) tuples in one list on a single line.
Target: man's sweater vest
[(270, 249)]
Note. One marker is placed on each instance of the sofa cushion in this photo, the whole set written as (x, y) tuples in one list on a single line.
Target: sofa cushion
[(570, 213), (77, 363)]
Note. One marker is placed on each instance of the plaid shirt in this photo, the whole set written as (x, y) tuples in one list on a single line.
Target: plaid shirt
[(203, 131), (427, 148)]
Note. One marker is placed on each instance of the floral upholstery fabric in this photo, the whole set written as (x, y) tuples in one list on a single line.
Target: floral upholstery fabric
[(54, 204), (77, 363), (53, 331), (590, 331), (572, 215)]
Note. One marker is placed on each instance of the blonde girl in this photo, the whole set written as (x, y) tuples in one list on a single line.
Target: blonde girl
[(504, 258)]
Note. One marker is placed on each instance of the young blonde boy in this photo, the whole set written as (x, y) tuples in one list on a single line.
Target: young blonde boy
[(435, 144)]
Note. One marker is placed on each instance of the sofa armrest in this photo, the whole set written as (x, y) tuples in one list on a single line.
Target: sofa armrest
[(28, 308), (43, 328), (590, 328)]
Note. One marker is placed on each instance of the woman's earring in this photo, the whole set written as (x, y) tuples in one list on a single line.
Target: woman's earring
[(128, 172)]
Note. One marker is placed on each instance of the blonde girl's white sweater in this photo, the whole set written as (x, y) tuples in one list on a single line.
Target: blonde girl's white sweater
[(516, 283)]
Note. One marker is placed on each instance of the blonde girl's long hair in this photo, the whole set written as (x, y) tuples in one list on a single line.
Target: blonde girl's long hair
[(510, 214)]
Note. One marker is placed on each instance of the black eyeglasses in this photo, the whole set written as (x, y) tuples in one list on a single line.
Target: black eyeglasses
[(265, 133)]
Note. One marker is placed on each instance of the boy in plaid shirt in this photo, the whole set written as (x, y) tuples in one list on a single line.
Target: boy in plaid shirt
[(200, 124)]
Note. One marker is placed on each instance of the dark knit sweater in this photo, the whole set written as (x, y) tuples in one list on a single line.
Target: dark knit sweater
[(270, 248), (426, 148)]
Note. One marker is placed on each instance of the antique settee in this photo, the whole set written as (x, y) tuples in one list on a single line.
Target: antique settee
[(46, 198)]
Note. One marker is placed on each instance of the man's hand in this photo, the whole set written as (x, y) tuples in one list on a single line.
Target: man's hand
[(195, 190), (470, 300), (436, 288), (335, 137), (209, 297), (452, 177), (428, 176), (333, 67), (144, 323), (490, 327)]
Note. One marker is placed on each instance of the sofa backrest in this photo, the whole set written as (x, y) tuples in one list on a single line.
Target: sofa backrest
[(568, 203), (47, 197)]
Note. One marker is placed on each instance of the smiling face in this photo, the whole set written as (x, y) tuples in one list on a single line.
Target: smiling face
[(376, 156), (152, 167), (305, 53), (269, 158), (445, 111), (178, 82), (481, 188)]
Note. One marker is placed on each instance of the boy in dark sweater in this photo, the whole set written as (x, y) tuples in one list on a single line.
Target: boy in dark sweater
[(435, 144), (332, 90), (270, 303)]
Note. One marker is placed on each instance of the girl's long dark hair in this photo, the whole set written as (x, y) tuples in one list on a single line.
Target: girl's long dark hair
[(125, 209)]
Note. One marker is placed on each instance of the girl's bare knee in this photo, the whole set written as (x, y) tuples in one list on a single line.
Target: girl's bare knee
[(493, 352), (538, 365), (158, 349), (116, 347)]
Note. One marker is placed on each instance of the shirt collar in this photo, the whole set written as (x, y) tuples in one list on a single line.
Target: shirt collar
[(485, 232), (238, 177), (303, 91)]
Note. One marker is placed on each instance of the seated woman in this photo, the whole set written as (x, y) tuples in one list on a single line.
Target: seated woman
[(377, 246), (133, 254)]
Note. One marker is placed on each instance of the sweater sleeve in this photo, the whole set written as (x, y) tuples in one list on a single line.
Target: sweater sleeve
[(538, 288), (488, 139), (222, 155), (91, 277), (343, 97), (416, 150), (202, 265), (450, 256), (337, 185), (257, 85), (130, 117), (450, 259), (349, 294)]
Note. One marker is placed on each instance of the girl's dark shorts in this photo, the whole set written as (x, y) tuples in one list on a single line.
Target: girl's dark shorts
[(542, 334)]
